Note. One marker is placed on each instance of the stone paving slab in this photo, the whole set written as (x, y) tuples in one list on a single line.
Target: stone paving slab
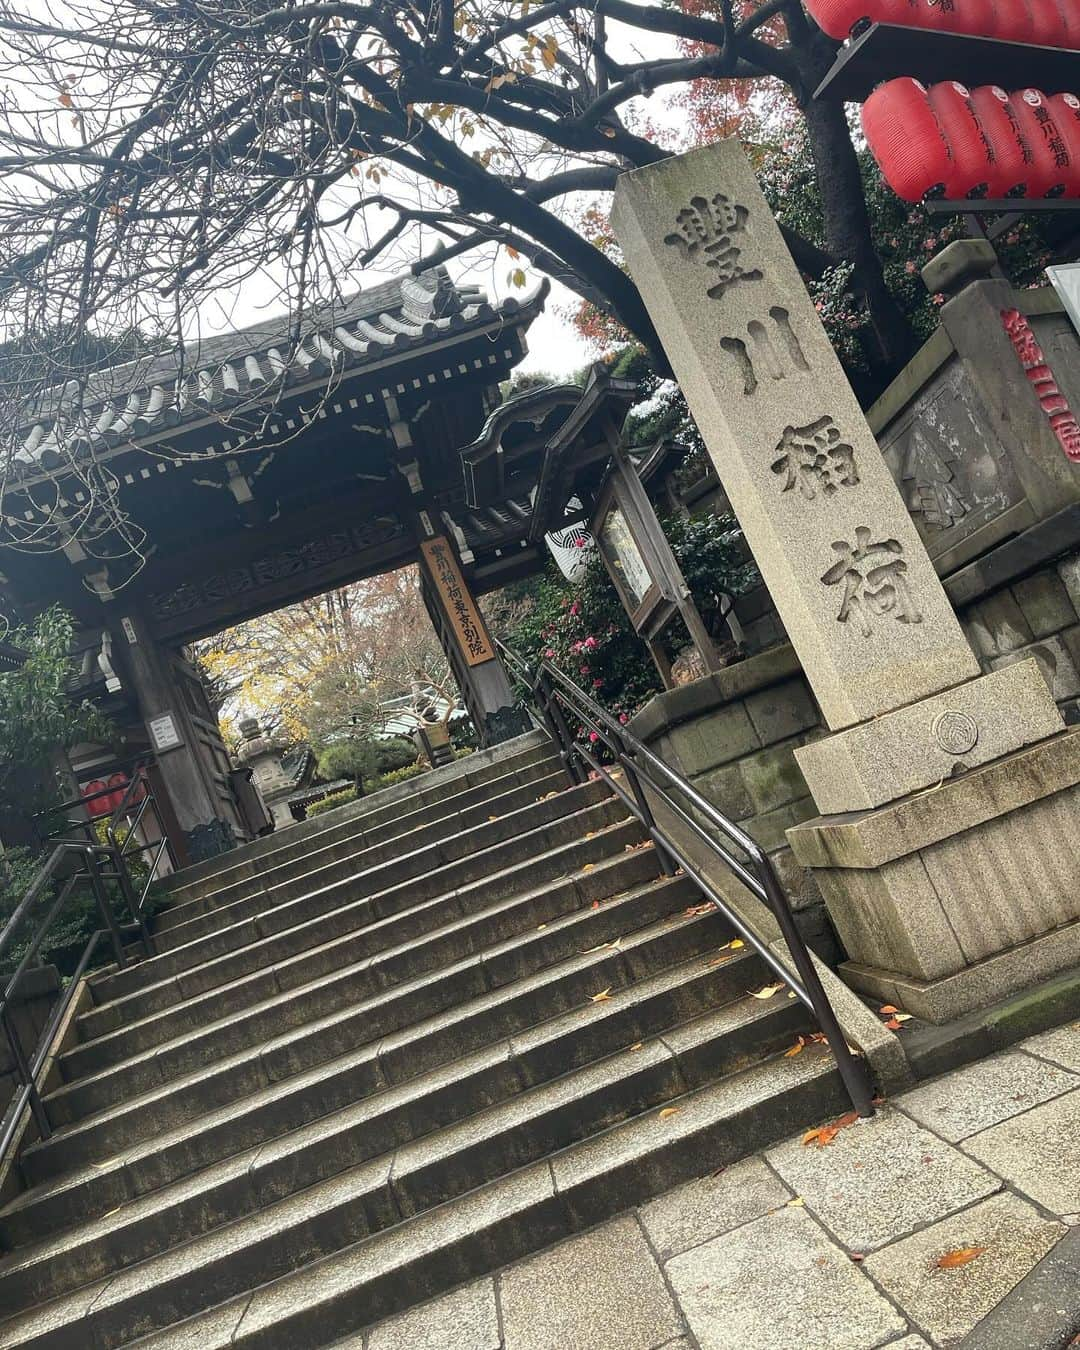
[(984, 1094), (1061, 1045), (1038, 1152), (600, 1291), (780, 1281), (709, 1206), (949, 1303), (881, 1179)]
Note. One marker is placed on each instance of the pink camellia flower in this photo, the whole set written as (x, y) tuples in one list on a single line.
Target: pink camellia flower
[(598, 684), (584, 670), (623, 718), (575, 608), (549, 654), (590, 644), (593, 737)]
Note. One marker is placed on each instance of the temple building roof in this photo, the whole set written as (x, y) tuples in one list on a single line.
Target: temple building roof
[(250, 369)]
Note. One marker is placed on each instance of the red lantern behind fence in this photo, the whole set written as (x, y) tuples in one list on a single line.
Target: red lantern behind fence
[(119, 783), (1013, 156), (100, 805), (906, 140), (1050, 166), (972, 161), (1066, 112)]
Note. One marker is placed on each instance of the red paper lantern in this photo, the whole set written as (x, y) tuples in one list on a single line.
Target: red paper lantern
[(906, 139), (119, 782), (1013, 20), (1049, 169), (839, 17), (1066, 111), (1013, 156), (100, 805), (977, 18), (1070, 19), (972, 159), (1050, 24)]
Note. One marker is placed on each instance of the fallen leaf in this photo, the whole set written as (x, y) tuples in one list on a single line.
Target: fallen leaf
[(540, 927), (693, 910), (595, 904), (669, 1111), (903, 1017), (796, 1202), (638, 1045), (602, 996), (717, 961), (958, 1257), (603, 947), (493, 817), (736, 943), (888, 1008), (587, 867), (893, 1025), (796, 1049), (825, 1134), (767, 992)]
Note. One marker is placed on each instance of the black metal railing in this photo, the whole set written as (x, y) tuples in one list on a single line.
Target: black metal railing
[(73, 866), (580, 727)]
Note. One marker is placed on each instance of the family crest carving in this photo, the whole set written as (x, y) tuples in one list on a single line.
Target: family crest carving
[(874, 577), (707, 229), (815, 458)]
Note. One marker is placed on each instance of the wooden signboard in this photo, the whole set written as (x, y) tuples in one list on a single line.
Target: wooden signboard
[(457, 602)]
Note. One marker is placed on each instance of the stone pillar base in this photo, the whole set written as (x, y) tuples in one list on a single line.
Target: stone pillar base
[(954, 897)]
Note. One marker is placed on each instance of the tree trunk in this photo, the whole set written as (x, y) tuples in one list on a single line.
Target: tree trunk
[(846, 219)]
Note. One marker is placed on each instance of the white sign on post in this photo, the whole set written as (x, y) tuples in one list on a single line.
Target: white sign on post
[(1065, 279), (163, 732)]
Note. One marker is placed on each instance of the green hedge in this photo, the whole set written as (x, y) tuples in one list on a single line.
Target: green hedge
[(335, 799)]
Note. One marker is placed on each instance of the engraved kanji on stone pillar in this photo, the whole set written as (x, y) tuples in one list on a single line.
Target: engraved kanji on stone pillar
[(827, 525)]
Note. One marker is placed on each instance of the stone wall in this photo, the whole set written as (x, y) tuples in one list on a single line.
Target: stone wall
[(732, 735)]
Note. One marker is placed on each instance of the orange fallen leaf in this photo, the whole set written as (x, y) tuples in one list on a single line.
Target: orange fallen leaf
[(693, 910), (825, 1134), (960, 1256), (767, 992), (669, 1111), (595, 904), (602, 996), (887, 1008), (893, 1025), (587, 867), (717, 960), (796, 1049)]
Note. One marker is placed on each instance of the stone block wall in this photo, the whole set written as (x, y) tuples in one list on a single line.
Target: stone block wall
[(1038, 615), (732, 735)]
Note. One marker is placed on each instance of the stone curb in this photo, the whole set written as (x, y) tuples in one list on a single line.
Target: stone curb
[(1042, 1312)]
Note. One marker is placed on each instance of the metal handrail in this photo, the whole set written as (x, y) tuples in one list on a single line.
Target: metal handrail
[(555, 695), (80, 860)]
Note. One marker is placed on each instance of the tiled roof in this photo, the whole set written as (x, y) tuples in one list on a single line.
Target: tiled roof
[(246, 369)]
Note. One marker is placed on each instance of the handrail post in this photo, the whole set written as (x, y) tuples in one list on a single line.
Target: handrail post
[(563, 739), (667, 862), (852, 1071), (22, 1070), (93, 866)]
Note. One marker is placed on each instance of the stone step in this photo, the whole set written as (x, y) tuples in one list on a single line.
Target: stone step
[(426, 847), (122, 996), (500, 993), (292, 1216), (395, 1115), (474, 771), (325, 980), (408, 821), (397, 1229), (500, 932)]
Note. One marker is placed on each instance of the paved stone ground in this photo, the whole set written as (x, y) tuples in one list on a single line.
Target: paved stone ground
[(821, 1248)]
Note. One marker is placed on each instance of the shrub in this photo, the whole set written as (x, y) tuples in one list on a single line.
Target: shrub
[(401, 775), (334, 800)]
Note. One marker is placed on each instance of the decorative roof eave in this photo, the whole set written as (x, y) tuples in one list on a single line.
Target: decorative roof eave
[(357, 349), (483, 461), (12, 657)]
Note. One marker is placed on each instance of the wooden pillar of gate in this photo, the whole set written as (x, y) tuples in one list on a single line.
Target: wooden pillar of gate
[(462, 632)]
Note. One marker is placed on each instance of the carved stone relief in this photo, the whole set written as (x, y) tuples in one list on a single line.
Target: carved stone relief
[(815, 458), (873, 574), (773, 349), (707, 229)]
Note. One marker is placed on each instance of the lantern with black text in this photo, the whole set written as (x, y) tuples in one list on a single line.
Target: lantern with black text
[(1013, 156), (972, 160), (905, 138), (1066, 112), (1049, 168)]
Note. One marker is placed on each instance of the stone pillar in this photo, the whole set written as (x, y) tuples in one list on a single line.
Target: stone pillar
[(887, 660)]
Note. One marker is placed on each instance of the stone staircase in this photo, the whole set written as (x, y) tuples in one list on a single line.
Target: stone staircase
[(401, 1044)]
